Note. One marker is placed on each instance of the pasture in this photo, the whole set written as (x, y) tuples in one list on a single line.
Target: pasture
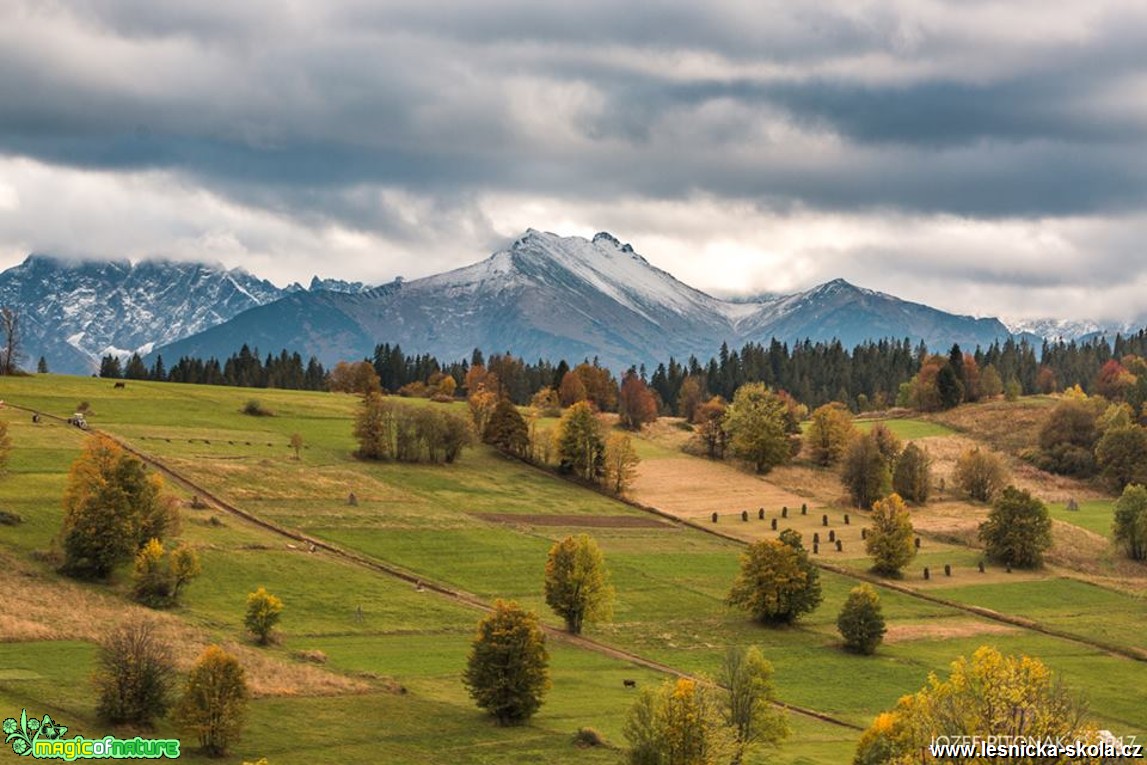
[(390, 687)]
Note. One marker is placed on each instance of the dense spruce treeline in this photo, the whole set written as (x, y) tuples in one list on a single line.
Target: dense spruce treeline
[(243, 369), (871, 375)]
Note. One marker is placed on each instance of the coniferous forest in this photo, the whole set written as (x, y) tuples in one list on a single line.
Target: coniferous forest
[(873, 375)]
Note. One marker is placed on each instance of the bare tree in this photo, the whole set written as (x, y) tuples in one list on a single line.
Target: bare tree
[(10, 354)]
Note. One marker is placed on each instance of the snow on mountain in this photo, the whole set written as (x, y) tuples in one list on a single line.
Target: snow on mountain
[(1068, 329), (72, 313), (547, 296)]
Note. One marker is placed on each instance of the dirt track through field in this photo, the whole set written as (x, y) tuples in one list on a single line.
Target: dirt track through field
[(585, 519), (717, 479), (315, 545)]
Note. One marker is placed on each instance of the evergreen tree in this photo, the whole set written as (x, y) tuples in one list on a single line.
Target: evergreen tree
[(507, 429), (110, 367), (135, 369), (581, 448)]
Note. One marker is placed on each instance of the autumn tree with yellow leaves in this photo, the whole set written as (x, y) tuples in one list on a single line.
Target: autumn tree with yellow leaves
[(112, 507), (989, 694)]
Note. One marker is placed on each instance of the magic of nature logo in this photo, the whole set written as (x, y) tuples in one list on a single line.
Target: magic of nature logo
[(44, 739)]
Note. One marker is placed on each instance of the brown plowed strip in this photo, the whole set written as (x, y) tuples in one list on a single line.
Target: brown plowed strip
[(589, 521)]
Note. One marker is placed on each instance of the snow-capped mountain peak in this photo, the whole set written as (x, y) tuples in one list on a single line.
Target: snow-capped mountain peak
[(76, 311)]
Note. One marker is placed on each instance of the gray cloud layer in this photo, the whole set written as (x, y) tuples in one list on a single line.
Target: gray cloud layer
[(398, 137)]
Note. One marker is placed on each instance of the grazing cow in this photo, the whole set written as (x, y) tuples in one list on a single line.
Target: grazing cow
[(629, 683), (120, 385)]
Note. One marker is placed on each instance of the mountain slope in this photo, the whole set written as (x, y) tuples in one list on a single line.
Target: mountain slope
[(568, 297), (72, 313), (842, 311)]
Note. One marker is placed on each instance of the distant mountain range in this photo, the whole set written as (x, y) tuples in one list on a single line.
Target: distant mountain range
[(548, 296), (545, 296)]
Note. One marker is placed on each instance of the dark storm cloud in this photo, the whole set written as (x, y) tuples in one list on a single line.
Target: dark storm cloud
[(422, 96), (389, 117)]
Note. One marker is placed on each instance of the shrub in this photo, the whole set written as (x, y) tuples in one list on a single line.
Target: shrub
[(255, 408), (263, 612), (681, 722), (134, 675), (313, 656), (988, 695), (1067, 439), (214, 701), (980, 474), (588, 737), (158, 576), (8, 518), (1122, 456), (861, 620)]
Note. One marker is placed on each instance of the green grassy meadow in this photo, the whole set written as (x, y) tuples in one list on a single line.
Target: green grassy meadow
[(390, 689), (905, 428)]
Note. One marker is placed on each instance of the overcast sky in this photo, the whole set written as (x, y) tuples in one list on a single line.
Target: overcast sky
[(985, 158)]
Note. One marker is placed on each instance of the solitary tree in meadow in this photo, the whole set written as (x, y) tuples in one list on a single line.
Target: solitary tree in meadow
[(577, 582), (861, 620), (890, 540), (1018, 529), (263, 613), (214, 703), (507, 671), (777, 582)]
